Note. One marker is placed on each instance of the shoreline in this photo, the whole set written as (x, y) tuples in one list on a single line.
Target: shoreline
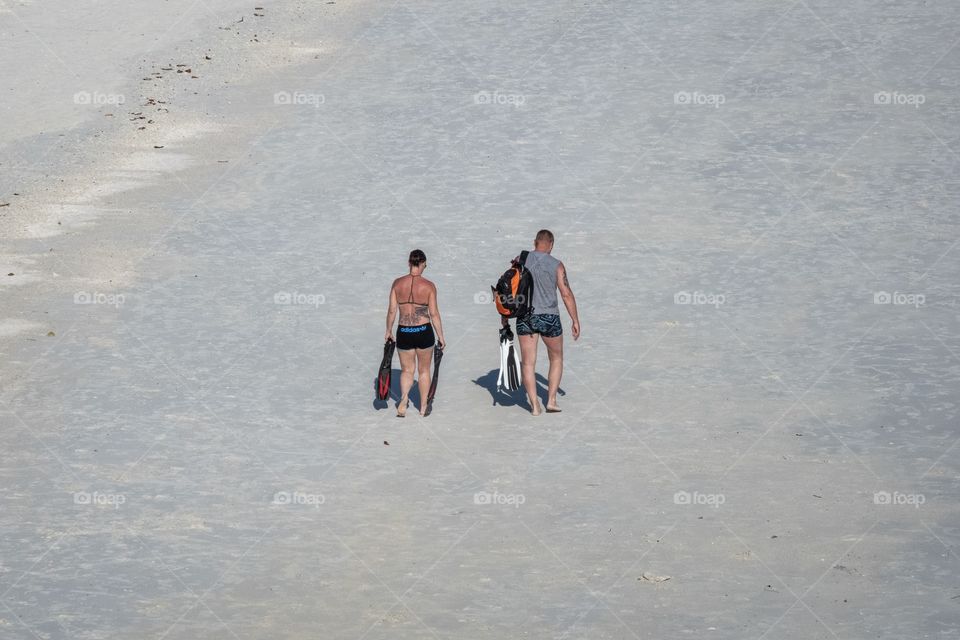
[(187, 110)]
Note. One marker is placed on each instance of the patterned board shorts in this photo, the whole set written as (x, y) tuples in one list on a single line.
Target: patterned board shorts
[(546, 324)]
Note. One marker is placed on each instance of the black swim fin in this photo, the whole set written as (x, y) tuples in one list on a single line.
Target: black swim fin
[(386, 370)]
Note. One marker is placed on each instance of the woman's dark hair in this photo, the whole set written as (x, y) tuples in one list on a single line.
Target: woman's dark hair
[(417, 258)]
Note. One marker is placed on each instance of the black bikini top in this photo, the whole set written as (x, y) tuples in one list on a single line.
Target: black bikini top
[(410, 299)]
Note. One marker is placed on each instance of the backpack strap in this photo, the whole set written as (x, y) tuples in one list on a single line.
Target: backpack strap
[(522, 260)]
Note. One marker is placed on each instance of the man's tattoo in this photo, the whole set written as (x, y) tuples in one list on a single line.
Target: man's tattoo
[(566, 282)]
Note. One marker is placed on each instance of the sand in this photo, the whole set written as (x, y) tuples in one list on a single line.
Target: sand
[(756, 205)]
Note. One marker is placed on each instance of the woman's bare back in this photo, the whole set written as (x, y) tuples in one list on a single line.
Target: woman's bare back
[(414, 294)]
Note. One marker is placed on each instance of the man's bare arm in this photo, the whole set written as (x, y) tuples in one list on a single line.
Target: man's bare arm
[(569, 301)]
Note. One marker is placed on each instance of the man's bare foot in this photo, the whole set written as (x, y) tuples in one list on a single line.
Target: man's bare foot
[(552, 408), (535, 411), (402, 408)]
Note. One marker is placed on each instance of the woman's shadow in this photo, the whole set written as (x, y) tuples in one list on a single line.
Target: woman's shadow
[(394, 396), (513, 398)]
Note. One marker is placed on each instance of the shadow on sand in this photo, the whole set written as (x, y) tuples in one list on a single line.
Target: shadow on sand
[(391, 402), (488, 382), (513, 398)]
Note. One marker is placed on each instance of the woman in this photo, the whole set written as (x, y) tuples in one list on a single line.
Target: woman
[(416, 299)]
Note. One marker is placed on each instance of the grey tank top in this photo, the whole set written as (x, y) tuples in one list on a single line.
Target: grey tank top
[(543, 268)]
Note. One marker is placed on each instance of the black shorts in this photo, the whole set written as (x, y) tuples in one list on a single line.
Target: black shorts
[(418, 337)]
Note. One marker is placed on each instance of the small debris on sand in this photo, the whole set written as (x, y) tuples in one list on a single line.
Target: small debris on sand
[(650, 577), (845, 569)]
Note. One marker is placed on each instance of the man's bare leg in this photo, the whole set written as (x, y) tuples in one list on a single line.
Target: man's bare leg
[(555, 353), (528, 365)]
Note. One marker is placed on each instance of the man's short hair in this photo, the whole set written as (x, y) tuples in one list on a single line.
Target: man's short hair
[(544, 235)]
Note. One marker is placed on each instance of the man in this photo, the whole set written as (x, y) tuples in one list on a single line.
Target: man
[(549, 275)]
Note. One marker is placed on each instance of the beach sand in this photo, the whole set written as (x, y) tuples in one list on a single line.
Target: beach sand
[(756, 204)]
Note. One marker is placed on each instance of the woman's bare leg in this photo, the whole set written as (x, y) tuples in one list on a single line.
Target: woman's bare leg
[(424, 357), (408, 362)]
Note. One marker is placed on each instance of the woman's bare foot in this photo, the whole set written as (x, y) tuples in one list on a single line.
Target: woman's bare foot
[(402, 408)]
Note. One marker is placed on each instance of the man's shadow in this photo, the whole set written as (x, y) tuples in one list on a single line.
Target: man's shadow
[(513, 398)]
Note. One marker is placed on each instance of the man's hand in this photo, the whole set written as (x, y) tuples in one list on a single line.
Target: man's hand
[(575, 329), (387, 337)]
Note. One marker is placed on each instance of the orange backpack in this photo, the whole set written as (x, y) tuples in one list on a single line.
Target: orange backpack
[(513, 293)]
